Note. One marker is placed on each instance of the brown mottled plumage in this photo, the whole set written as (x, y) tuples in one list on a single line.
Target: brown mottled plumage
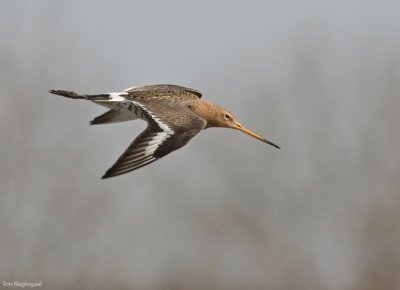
[(174, 115)]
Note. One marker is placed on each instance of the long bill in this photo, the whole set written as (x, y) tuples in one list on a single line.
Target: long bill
[(240, 127)]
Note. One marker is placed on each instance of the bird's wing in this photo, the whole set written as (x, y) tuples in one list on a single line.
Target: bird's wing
[(170, 126), (113, 116), (160, 89)]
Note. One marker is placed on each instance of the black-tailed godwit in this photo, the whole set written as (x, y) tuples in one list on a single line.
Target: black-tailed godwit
[(174, 115)]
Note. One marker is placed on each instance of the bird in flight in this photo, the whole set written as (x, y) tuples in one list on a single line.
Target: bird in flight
[(174, 115)]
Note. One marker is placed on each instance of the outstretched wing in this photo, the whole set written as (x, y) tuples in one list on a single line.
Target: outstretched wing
[(170, 126), (114, 116), (155, 90)]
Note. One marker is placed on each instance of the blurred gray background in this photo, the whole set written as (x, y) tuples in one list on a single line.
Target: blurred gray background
[(319, 78)]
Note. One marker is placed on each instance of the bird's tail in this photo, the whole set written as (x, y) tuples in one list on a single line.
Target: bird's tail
[(73, 95), (67, 94)]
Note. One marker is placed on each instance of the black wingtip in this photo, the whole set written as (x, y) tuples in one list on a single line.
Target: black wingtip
[(107, 174)]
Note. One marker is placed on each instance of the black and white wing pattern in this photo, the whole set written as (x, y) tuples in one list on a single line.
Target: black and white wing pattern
[(170, 126)]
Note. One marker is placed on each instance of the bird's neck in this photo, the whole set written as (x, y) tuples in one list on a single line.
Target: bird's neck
[(208, 111)]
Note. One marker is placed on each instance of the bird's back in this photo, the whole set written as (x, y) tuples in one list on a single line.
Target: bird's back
[(167, 93)]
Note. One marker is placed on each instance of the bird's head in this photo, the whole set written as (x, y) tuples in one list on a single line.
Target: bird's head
[(224, 118)]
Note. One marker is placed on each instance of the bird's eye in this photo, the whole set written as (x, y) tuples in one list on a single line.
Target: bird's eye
[(227, 116)]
